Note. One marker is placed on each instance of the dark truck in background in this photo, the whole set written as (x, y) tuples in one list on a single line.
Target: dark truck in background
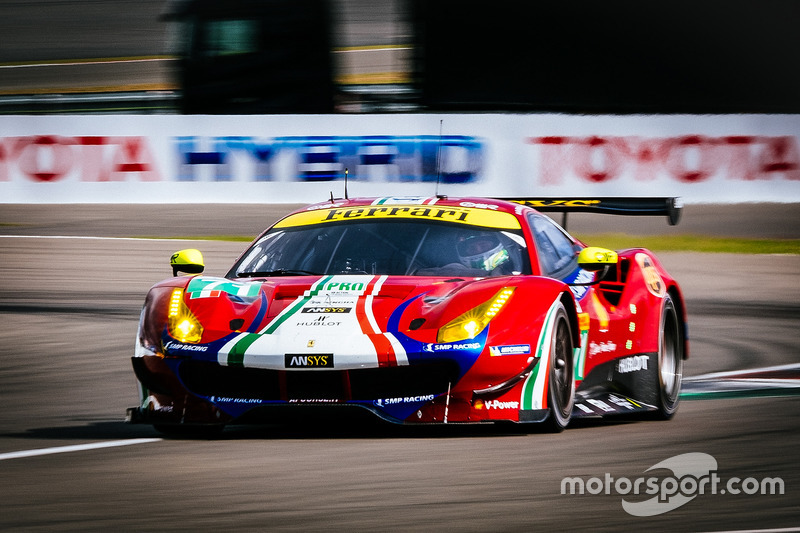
[(254, 56), (627, 56)]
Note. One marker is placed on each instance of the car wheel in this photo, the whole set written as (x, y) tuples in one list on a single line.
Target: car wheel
[(670, 360), (561, 388)]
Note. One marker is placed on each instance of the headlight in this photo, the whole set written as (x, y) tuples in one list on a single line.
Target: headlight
[(471, 323), (182, 323)]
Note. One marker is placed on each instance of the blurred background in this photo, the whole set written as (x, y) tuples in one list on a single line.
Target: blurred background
[(360, 56)]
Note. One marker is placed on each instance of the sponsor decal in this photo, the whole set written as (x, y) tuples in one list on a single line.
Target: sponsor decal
[(497, 404), (478, 206), (400, 200), (651, 276), (464, 215), (684, 159), (602, 347), (356, 287), (226, 399), (395, 158), (383, 402), (600, 404), (314, 400), (171, 345), (452, 346), (555, 203), (330, 310), (622, 402), (514, 349), (632, 364), (207, 287), (319, 321), (309, 361), (91, 159)]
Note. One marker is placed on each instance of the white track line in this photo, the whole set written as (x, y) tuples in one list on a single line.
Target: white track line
[(743, 373), (88, 237), (782, 530), (75, 448)]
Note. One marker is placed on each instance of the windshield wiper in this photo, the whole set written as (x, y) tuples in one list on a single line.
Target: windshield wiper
[(278, 272)]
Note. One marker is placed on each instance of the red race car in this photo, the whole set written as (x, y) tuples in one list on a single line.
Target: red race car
[(419, 310)]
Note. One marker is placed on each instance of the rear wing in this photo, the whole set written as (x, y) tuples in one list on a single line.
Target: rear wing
[(666, 206)]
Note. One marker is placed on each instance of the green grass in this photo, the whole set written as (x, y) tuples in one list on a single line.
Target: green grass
[(620, 241), (229, 238), (693, 243)]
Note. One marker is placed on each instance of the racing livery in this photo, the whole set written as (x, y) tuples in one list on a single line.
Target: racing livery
[(419, 310)]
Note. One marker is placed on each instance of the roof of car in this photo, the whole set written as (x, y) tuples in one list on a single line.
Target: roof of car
[(474, 202)]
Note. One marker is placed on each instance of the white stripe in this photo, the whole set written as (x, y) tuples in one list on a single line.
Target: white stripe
[(88, 237), (80, 63), (222, 354), (75, 448), (743, 373), (368, 304), (539, 392), (399, 352), (783, 530)]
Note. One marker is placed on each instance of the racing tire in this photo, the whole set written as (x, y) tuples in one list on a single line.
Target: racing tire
[(670, 361), (561, 379)]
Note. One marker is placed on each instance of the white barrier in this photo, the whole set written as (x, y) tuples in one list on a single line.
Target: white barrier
[(302, 158)]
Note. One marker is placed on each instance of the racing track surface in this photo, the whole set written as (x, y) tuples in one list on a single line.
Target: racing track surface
[(68, 314)]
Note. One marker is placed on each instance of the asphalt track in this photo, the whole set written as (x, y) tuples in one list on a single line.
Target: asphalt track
[(68, 313), (77, 46)]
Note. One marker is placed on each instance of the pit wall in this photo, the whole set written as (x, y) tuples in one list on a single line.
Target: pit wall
[(304, 158)]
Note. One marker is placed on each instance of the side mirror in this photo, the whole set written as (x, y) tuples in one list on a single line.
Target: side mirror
[(595, 259), (189, 261)]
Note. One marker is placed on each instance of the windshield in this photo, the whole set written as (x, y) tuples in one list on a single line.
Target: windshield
[(398, 248)]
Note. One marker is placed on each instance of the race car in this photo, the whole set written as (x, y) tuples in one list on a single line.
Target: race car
[(432, 310)]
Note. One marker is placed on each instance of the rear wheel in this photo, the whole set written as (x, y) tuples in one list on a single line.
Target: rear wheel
[(670, 360), (561, 388)]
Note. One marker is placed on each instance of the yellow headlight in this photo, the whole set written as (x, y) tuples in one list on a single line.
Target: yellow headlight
[(182, 323), (471, 323)]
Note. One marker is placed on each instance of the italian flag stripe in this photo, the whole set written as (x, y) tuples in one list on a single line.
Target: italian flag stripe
[(236, 355), (534, 392), (369, 326), (295, 307)]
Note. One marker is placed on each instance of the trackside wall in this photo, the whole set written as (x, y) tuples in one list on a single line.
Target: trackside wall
[(289, 159)]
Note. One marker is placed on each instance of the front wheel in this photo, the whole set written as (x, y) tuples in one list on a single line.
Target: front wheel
[(670, 360), (561, 388)]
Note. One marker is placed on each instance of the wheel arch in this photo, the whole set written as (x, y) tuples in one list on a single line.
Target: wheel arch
[(674, 293), (572, 313)]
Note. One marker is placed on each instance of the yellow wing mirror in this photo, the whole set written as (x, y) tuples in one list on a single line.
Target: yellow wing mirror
[(189, 261), (594, 258)]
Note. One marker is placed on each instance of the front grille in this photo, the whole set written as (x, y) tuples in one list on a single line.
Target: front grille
[(212, 379)]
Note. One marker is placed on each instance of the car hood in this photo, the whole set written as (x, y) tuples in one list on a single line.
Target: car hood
[(358, 321)]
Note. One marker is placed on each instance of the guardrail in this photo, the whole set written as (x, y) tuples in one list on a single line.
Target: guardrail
[(365, 98), (138, 102)]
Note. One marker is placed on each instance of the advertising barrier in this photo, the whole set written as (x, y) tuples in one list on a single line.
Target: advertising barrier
[(305, 158)]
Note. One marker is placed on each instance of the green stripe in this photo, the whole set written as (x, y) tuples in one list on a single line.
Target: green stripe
[(236, 355), (315, 289), (527, 390)]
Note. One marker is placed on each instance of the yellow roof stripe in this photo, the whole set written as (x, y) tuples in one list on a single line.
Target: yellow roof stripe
[(463, 215)]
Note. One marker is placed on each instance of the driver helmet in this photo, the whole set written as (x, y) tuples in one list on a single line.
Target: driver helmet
[(483, 251)]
